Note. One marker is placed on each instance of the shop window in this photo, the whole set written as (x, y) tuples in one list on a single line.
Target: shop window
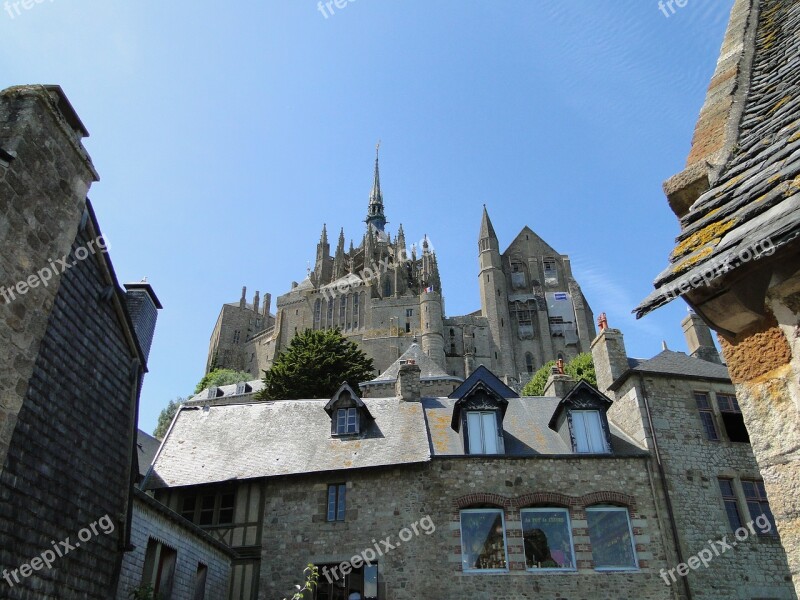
[(611, 537), (483, 540), (547, 538)]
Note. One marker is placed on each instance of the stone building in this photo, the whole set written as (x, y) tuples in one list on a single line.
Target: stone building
[(737, 258), (73, 351), (383, 296), (683, 409), (478, 493)]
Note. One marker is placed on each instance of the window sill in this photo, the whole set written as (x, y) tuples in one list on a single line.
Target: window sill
[(484, 571), (551, 571), (617, 569)]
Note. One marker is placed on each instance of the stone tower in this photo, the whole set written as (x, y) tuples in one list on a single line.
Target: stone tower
[(494, 294)]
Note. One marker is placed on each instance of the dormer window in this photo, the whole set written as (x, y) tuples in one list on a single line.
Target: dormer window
[(482, 432), (349, 415), (587, 429), (346, 421), (580, 419)]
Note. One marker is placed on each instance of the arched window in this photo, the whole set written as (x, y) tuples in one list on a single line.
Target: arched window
[(529, 362), (356, 307), (329, 314), (342, 311), (362, 306), (317, 312)]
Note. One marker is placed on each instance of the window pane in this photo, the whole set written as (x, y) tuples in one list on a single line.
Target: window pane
[(331, 503), (482, 540), (371, 582), (726, 487), (489, 433), (474, 433), (610, 536), (702, 400), (708, 425), (341, 420), (594, 429), (732, 510), (547, 539), (341, 504), (579, 431)]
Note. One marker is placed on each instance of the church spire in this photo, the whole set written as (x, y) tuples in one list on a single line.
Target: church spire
[(375, 216), (487, 238)]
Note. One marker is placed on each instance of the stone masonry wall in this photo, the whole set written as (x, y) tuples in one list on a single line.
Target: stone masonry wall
[(382, 502), (191, 550), (754, 568)]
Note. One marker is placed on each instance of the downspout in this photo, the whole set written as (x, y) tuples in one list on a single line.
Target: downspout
[(663, 476)]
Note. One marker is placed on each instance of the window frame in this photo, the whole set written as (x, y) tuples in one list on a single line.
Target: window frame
[(588, 438), (499, 511), (339, 512), (706, 414), (760, 498), (216, 510), (574, 566), (613, 508), (349, 411), (498, 445), (730, 500)]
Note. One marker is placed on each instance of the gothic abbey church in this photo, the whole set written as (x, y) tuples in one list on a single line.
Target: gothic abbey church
[(385, 298)]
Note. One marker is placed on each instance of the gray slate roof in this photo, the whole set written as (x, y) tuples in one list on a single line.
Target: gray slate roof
[(429, 369), (525, 429), (286, 437), (675, 364), (229, 391), (757, 198), (147, 447)]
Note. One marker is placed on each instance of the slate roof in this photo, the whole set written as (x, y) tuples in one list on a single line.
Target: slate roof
[(286, 437), (429, 369), (525, 429), (755, 202), (229, 391), (492, 381), (147, 447), (676, 364)]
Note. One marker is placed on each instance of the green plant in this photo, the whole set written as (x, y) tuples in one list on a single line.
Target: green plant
[(144, 592), (311, 573), (579, 368)]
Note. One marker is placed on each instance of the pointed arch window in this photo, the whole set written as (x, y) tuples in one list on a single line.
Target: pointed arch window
[(317, 312)]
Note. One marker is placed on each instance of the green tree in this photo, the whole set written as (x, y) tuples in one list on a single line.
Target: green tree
[(166, 416), (314, 365), (219, 377), (579, 368)]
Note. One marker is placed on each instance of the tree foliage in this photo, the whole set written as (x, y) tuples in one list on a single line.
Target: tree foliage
[(219, 377), (314, 365), (579, 368), (166, 416)]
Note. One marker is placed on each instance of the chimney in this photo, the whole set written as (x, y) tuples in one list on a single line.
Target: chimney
[(609, 356), (267, 302), (699, 339), (558, 384), (143, 306), (256, 302), (243, 300), (407, 387)]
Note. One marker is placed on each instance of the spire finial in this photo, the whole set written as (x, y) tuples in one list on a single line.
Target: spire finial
[(375, 216)]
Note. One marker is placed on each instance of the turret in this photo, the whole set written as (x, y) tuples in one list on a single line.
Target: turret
[(430, 306), (322, 267), (339, 267)]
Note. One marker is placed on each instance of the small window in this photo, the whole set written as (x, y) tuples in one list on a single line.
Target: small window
[(587, 430), (757, 504), (236, 337), (452, 349), (547, 537), (529, 362), (200, 582), (611, 537), (159, 568), (346, 421), (732, 418), (483, 540), (409, 312), (482, 432), (335, 585), (336, 501), (408, 327), (706, 415), (209, 509), (731, 505)]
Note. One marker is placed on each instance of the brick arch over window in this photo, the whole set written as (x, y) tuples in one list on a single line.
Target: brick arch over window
[(608, 498), (545, 499), (476, 500)]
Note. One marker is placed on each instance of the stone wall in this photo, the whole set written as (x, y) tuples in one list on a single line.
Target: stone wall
[(380, 503), (193, 547)]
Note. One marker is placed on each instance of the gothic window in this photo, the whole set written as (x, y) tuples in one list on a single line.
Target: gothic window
[(611, 537), (342, 311), (523, 313), (483, 540), (317, 312), (329, 321), (387, 288), (362, 306), (519, 279), (550, 271), (356, 310), (529, 362)]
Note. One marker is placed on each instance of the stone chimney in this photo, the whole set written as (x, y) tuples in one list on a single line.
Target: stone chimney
[(407, 387), (256, 302), (267, 303), (243, 300), (143, 307), (610, 357), (558, 384), (699, 339)]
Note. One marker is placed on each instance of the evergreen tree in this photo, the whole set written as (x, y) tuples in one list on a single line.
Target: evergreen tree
[(219, 377), (314, 365), (166, 416), (579, 368)]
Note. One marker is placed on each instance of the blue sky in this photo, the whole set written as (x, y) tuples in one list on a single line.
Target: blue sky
[(225, 134)]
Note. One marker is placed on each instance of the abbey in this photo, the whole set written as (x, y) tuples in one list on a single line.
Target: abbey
[(384, 297)]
